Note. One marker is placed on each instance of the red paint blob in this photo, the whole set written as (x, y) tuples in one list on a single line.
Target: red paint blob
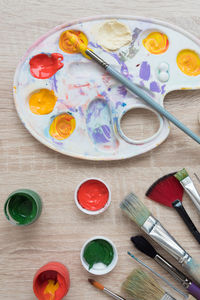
[(93, 195), (43, 66), (54, 271)]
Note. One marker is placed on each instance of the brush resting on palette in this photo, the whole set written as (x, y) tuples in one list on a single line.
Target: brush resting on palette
[(130, 85)]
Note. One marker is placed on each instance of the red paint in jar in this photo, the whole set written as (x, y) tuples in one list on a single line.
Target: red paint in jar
[(93, 195), (58, 274)]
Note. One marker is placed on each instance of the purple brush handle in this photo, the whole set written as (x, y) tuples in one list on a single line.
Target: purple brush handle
[(194, 290)]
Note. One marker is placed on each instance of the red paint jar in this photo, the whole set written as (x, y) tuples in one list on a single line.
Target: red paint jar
[(92, 196), (53, 271)]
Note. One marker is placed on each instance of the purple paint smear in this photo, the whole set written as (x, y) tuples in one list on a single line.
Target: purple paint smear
[(145, 71), (122, 90), (81, 111), (118, 103), (101, 134), (94, 110), (105, 95), (163, 89), (154, 87), (54, 83)]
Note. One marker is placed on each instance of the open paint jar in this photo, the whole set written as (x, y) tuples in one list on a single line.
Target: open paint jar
[(51, 282), (92, 196), (23, 207), (99, 255)]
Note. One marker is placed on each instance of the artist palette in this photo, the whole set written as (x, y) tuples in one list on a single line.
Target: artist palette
[(71, 105)]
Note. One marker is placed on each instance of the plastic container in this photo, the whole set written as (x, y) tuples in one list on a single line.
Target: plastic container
[(99, 268), (53, 277), (92, 196), (23, 207)]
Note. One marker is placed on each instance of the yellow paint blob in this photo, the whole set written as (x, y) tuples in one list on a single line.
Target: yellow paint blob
[(156, 42), (188, 62), (42, 102), (51, 288), (62, 126), (73, 41)]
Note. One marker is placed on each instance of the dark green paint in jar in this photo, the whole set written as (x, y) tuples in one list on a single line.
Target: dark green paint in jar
[(23, 207), (98, 251)]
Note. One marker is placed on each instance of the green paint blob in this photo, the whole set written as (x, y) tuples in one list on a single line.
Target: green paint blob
[(98, 251), (23, 207)]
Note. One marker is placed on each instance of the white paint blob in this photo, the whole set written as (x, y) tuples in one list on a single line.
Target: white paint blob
[(163, 72), (163, 67), (112, 35), (163, 76)]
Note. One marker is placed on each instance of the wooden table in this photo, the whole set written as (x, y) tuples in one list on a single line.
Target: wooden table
[(25, 163)]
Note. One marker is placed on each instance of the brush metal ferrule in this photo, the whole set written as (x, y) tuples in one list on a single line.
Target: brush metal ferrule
[(158, 233), (115, 296), (167, 297), (96, 58), (191, 190), (178, 275)]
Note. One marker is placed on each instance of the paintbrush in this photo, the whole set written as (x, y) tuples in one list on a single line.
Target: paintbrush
[(140, 285), (105, 290), (82, 48), (168, 191), (188, 185), (145, 247), (158, 275), (197, 177), (140, 214)]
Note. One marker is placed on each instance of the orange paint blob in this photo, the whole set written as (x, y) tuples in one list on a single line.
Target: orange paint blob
[(67, 46), (50, 289), (42, 102), (156, 42), (62, 126), (188, 62), (73, 41)]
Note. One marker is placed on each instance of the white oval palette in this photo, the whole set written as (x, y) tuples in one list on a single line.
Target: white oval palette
[(96, 102)]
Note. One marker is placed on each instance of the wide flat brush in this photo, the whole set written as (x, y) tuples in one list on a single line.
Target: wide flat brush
[(145, 247), (140, 214), (75, 41), (157, 274), (140, 285), (168, 191), (105, 290), (185, 180)]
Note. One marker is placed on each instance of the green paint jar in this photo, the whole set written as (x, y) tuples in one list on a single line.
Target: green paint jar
[(23, 207)]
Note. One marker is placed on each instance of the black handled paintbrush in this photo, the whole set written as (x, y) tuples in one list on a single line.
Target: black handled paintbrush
[(145, 247)]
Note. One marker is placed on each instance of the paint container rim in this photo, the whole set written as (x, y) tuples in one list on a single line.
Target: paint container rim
[(108, 268), (92, 212), (56, 266), (31, 193)]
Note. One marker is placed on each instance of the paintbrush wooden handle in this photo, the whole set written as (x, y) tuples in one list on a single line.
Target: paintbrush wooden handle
[(184, 215)]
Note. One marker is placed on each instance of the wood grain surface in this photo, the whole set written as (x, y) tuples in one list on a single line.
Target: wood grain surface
[(25, 163)]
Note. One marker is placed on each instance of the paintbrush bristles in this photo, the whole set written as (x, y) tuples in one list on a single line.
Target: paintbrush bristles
[(144, 246), (135, 209), (141, 286), (182, 174), (96, 284)]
